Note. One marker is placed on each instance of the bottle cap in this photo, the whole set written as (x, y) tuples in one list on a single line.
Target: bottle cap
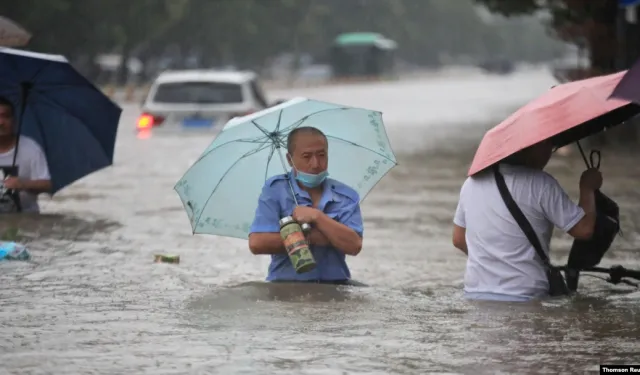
[(286, 220)]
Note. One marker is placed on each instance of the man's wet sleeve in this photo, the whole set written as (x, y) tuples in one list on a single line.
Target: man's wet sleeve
[(351, 216), (39, 167), (459, 219), (267, 213), (558, 207), (459, 216)]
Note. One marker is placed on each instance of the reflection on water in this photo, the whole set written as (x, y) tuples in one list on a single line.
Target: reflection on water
[(93, 301)]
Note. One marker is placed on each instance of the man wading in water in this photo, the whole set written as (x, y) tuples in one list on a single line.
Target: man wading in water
[(331, 207), (502, 264), (32, 176)]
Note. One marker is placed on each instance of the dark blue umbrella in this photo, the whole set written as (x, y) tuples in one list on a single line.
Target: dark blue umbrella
[(73, 121)]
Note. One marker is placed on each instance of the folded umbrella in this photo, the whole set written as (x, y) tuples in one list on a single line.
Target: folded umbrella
[(220, 191), (72, 120), (565, 114), (12, 34)]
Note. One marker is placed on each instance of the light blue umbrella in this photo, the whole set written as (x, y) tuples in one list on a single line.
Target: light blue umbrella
[(220, 191)]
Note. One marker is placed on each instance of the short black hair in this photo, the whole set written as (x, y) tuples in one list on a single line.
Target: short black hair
[(7, 103), (291, 138)]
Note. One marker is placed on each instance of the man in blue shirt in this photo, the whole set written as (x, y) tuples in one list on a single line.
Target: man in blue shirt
[(330, 207)]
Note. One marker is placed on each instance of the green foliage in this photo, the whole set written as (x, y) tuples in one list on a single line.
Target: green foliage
[(588, 23), (248, 32)]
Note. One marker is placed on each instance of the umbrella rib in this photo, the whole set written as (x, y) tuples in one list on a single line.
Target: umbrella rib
[(279, 120), (260, 128), (266, 171), (252, 152), (272, 137), (360, 146)]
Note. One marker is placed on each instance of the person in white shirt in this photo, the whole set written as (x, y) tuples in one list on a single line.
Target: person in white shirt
[(33, 176), (501, 262)]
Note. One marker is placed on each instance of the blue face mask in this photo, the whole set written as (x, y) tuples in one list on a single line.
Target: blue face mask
[(311, 180), (307, 179)]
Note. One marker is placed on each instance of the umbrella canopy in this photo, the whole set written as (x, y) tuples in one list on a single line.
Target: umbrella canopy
[(12, 34), (629, 86), (220, 191), (73, 121), (564, 114)]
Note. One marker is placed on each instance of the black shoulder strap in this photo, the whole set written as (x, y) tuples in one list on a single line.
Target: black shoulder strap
[(517, 214)]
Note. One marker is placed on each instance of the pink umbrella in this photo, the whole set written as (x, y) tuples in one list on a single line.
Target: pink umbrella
[(12, 34), (564, 114), (629, 86)]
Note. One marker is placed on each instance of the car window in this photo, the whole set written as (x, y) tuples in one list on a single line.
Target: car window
[(198, 92), (258, 94)]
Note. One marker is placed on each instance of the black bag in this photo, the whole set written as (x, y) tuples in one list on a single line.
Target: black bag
[(588, 253), (557, 284)]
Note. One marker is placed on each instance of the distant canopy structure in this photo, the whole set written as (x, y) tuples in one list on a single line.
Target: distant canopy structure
[(12, 35), (362, 54)]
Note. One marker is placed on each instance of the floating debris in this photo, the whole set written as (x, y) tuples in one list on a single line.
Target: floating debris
[(13, 251), (162, 258)]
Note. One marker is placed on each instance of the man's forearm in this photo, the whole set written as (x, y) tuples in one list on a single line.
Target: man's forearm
[(36, 186), (266, 244), (588, 204), (341, 236)]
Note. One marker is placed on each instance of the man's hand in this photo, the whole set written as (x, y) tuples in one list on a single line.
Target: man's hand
[(591, 179), (13, 183), (303, 214)]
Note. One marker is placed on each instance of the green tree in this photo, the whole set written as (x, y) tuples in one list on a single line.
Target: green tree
[(588, 22), (249, 32)]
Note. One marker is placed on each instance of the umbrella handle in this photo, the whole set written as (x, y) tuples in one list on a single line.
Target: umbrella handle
[(594, 157)]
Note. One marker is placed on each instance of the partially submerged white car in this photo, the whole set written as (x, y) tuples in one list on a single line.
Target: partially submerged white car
[(200, 99)]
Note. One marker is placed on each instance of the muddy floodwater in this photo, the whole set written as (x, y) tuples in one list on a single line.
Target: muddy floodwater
[(93, 302)]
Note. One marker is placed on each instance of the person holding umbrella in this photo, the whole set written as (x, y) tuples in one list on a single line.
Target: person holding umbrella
[(32, 177), (509, 206), (266, 176), (56, 126), (502, 264), (330, 206)]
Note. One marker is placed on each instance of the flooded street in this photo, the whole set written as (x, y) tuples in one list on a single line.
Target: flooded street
[(93, 302)]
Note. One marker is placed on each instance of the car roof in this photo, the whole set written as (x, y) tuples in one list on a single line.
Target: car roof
[(205, 76)]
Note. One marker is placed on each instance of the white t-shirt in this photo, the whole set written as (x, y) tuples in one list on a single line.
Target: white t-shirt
[(32, 165), (500, 258)]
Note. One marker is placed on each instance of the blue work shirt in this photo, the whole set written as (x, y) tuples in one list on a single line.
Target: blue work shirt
[(338, 201)]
